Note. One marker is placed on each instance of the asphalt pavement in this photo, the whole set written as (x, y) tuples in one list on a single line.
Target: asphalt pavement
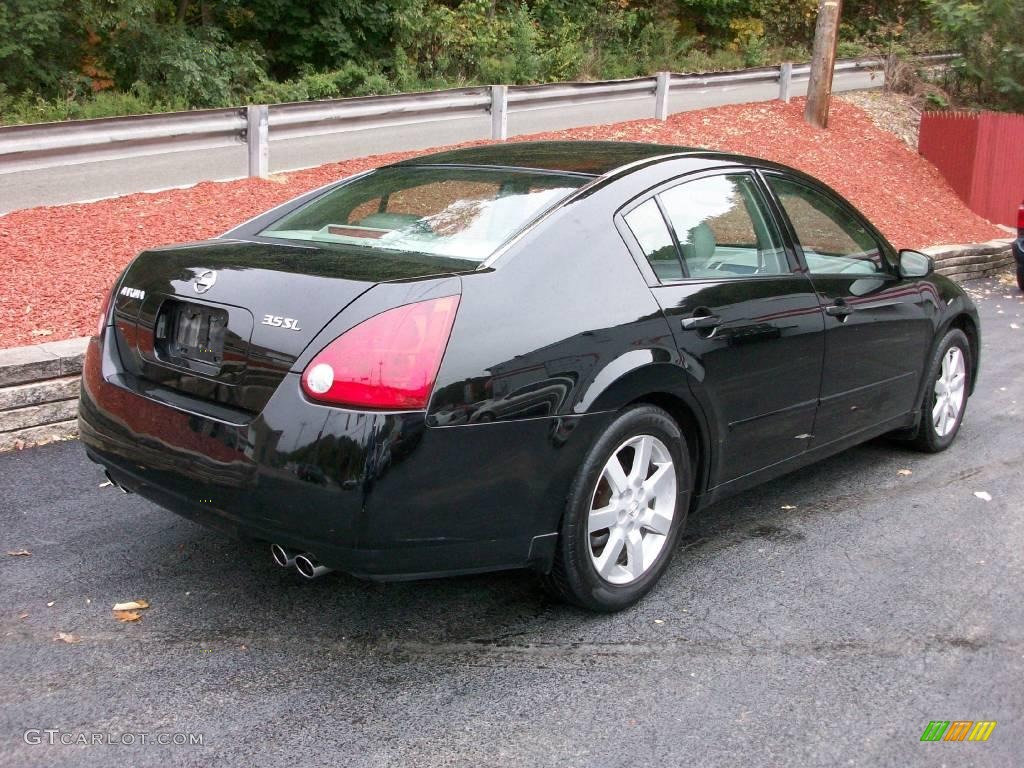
[(821, 620)]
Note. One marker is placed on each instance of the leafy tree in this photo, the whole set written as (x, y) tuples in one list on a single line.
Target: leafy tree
[(988, 37)]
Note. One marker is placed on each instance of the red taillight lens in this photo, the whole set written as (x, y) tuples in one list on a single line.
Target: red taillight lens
[(388, 361), (1020, 218)]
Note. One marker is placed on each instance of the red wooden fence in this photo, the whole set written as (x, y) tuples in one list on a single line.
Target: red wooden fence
[(982, 157)]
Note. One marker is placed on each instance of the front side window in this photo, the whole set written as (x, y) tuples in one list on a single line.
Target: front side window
[(460, 213), (832, 239), (722, 228)]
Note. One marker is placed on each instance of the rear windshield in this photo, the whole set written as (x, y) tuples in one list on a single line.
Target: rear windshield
[(461, 213)]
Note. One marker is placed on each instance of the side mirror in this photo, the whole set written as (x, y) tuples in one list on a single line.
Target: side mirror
[(915, 264)]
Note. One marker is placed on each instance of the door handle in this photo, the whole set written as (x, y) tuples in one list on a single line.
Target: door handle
[(701, 322), (839, 309)]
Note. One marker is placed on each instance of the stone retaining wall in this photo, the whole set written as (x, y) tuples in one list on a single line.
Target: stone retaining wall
[(39, 384)]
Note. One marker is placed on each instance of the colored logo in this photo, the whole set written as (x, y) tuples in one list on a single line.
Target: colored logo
[(958, 730)]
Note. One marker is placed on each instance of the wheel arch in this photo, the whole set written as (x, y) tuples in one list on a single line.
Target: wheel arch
[(663, 384), (693, 431), (964, 322)]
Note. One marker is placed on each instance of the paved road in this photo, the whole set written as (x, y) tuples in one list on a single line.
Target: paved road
[(68, 183), (824, 635)]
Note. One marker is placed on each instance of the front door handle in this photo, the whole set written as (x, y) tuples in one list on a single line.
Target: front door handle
[(839, 309), (701, 322)]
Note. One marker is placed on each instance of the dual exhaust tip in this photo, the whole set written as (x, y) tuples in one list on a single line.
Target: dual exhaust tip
[(305, 563)]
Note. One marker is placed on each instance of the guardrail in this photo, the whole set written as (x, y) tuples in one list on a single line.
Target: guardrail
[(391, 123)]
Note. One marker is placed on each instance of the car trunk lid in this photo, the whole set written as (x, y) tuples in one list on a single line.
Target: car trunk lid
[(224, 321)]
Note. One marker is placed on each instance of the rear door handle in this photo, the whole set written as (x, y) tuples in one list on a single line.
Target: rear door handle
[(839, 310), (701, 321)]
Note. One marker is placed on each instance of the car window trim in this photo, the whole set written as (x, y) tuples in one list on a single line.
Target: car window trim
[(636, 250), (885, 248)]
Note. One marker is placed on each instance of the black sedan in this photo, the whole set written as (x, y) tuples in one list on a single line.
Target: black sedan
[(531, 355)]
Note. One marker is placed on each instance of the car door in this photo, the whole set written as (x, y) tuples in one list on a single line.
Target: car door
[(747, 323), (877, 326)]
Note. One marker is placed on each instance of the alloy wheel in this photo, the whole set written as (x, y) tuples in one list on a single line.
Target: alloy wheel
[(949, 391), (631, 509)]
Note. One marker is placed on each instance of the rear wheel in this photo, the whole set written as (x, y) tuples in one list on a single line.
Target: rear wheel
[(625, 513), (1020, 277), (945, 400)]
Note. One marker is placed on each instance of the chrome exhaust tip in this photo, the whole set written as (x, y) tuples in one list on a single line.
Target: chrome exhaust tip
[(282, 556), (310, 567), (113, 482)]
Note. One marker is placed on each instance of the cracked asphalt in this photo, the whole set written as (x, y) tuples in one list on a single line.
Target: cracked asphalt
[(820, 620)]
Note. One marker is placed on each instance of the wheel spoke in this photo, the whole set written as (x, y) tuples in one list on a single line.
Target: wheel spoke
[(658, 521), (641, 459), (605, 564), (635, 553), (940, 404), (956, 383), (659, 482), (603, 518), (615, 476)]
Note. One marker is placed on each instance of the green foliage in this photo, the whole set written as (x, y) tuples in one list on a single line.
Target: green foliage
[(988, 37), (74, 58), (39, 44)]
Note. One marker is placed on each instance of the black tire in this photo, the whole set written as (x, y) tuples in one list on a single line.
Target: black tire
[(1020, 277), (927, 438), (574, 578)]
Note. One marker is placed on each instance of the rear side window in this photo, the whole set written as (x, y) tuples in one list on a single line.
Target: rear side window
[(832, 239), (722, 228), (462, 213)]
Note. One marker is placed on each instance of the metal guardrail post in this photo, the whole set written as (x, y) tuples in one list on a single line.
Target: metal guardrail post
[(785, 78), (257, 139), (661, 95), (499, 112)]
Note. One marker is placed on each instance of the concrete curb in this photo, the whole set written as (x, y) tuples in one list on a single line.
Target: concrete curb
[(39, 383)]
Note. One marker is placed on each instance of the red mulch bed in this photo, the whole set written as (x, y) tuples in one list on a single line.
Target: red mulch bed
[(66, 257)]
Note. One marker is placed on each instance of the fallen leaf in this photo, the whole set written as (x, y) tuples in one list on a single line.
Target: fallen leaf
[(1015, 326), (134, 605), (659, 621), (904, 472), (20, 553), (68, 637), (50, 604), (23, 616), (41, 332), (787, 506), (983, 495), (127, 615)]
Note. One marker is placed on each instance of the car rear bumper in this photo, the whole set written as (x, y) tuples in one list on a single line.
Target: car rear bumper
[(379, 495)]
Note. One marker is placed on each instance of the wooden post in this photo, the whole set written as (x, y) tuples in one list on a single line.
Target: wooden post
[(819, 89), (661, 95), (257, 135), (499, 112), (785, 80)]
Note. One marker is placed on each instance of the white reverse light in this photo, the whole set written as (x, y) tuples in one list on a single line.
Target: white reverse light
[(320, 378)]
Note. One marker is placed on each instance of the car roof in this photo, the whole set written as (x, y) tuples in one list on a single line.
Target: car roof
[(591, 158)]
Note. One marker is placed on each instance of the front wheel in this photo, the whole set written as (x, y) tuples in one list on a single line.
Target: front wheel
[(945, 400), (625, 513)]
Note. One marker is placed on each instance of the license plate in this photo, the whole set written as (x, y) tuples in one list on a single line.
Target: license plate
[(191, 332)]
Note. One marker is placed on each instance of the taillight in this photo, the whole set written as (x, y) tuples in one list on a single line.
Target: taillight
[(387, 361), (1020, 219)]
